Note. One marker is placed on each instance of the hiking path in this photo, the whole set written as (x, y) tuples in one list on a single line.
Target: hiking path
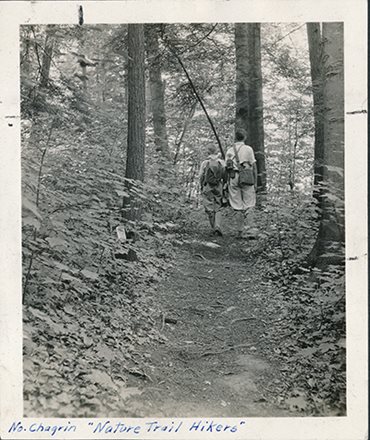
[(214, 312)]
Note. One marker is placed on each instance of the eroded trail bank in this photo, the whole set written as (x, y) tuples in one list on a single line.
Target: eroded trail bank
[(214, 313)]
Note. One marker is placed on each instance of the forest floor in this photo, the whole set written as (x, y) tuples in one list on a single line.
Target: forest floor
[(213, 361), (211, 326)]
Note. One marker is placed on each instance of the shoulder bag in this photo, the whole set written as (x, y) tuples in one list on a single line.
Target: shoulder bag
[(246, 176)]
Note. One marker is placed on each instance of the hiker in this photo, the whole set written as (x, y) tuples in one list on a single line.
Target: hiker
[(241, 164), (212, 179)]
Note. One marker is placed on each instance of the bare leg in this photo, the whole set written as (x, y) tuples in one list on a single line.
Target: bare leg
[(211, 217), (240, 221), (250, 222), (217, 223)]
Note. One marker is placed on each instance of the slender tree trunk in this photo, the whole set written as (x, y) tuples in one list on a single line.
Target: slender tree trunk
[(328, 246), (293, 154), (135, 162), (39, 99), (242, 85), (157, 88), (249, 101), (180, 138), (316, 62), (47, 57)]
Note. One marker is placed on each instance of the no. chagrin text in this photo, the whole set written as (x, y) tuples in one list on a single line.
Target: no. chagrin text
[(108, 427)]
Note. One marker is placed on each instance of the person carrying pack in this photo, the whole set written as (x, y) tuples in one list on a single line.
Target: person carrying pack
[(213, 173), (242, 184), (212, 179)]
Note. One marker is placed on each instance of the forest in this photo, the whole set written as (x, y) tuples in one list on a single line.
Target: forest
[(130, 307)]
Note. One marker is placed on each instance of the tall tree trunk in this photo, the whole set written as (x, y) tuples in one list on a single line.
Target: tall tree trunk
[(135, 162), (249, 101), (157, 88), (39, 99), (328, 246), (47, 57), (316, 62)]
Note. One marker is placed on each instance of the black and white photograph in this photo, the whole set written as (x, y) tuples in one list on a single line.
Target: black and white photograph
[(185, 234)]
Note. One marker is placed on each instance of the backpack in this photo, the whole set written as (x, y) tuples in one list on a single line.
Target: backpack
[(213, 173), (229, 165)]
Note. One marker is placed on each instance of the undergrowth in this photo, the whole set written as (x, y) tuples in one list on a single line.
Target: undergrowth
[(89, 297), (89, 302), (307, 321)]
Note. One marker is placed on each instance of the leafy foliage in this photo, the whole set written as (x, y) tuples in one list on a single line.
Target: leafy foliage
[(307, 306), (89, 295)]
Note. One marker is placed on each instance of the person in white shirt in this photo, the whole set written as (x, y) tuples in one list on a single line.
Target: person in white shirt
[(242, 198)]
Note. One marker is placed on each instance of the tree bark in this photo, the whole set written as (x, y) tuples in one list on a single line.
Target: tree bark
[(47, 57), (328, 248), (135, 161), (157, 89), (316, 63), (249, 100)]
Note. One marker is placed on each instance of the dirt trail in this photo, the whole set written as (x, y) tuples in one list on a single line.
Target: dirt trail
[(210, 364)]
